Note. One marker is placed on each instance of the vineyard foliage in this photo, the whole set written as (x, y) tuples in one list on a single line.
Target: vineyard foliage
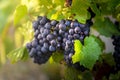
[(16, 26)]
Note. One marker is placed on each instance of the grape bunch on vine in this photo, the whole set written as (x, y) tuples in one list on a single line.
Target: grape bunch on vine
[(63, 31)]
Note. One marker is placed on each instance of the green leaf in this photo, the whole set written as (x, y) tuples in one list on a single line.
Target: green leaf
[(105, 27), (115, 76), (57, 56), (90, 52), (87, 75), (77, 48), (95, 9), (79, 7), (100, 42), (81, 19), (18, 54), (108, 58), (25, 55), (58, 2), (20, 12), (71, 73)]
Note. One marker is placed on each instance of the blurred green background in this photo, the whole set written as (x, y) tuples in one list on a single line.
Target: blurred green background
[(11, 37)]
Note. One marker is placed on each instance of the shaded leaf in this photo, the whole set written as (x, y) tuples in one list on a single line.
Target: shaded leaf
[(105, 27), (20, 12), (57, 56), (108, 58), (71, 73), (18, 54)]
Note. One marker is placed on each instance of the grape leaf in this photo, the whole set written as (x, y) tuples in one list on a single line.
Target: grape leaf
[(95, 9), (79, 7), (77, 48), (18, 54), (105, 27), (100, 42), (90, 52), (69, 73), (58, 2), (87, 75), (115, 76), (57, 56), (20, 12), (108, 58)]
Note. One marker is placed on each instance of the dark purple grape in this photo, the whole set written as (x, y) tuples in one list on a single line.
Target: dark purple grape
[(67, 22), (70, 37), (53, 42), (46, 45), (43, 20), (36, 33), (64, 39), (52, 48), (44, 50), (55, 33), (41, 42), (56, 28), (71, 31), (70, 55), (43, 35), (44, 40), (68, 42), (42, 29), (76, 36), (38, 48), (39, 36), (86, 32), (77, 30), (39, 18), (59, 38), (50, 37), (40, 26), (34, 43), (28, 45), (48, 26), (74, 24), (53, 23), (81, 25), (66, 34), (62, 21), (62, 27), (61, 32), (32, 52), (81, 38), (39, 53), (35, 25), (116, 54), (47, 31)]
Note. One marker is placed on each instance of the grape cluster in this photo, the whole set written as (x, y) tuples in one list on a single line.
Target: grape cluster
[(52, 35), (116, 54)]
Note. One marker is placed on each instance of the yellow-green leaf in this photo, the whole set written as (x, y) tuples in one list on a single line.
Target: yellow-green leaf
[(77, 47), (20, 12), (18, 54)]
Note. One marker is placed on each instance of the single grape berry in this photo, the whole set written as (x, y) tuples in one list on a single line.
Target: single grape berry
[(52, 48)]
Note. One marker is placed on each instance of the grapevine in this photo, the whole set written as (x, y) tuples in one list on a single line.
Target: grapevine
[(69, 33), (52, 35)]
